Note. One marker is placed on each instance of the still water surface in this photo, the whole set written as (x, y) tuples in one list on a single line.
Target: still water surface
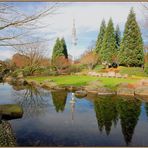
[(50, 119)]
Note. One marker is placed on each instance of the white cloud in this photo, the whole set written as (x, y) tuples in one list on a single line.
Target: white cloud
[(88, 16), (6, 54)]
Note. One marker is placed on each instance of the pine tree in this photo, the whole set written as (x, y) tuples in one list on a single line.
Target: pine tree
[(118, 36), (64, 48), (100, 37), (131, 48), (108, 50), (59, 49)]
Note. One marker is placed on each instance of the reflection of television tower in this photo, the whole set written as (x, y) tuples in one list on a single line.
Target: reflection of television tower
[(74, 37), (72, 105)]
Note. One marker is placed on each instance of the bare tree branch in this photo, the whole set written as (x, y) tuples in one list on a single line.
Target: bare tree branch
[(15, 25)]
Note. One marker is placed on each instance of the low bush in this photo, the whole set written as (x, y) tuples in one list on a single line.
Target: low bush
[(16, 72), (76, 68), (146, 68)]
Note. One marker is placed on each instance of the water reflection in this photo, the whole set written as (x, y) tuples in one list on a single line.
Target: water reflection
[(72, 106), (129, 111), (146, 108), (33, 100), (59, 100), (106, 113), (110, 109), (117, 117)]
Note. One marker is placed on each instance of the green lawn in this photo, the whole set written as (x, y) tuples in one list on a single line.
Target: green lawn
[(137, 71), (82, 80)]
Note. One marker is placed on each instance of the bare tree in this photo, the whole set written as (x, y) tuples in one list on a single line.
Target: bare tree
[(34, 53), (15, 24), (90, 59), (61, 64), (32, 100)]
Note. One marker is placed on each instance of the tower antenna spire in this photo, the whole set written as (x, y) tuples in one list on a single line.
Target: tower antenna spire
[(74, 36)]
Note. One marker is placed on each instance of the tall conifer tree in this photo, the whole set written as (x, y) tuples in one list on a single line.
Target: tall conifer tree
[(131, 48), (64, 48), (59, 49), (118, 36), (100, 37), (108, 50)]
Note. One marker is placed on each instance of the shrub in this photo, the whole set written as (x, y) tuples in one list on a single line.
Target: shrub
[(16, 72), (26, 71), (76, 68), (146, 68)]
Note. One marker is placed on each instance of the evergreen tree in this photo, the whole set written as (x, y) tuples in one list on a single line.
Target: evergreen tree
[(129, 111), (64, 48), (59, 100), (131, 48), (106, 113), (59, 49), (117, 36), (100, 37), (108, 50), (146, 108)]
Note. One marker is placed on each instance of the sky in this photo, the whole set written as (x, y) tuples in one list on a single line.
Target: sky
[(88, 17)]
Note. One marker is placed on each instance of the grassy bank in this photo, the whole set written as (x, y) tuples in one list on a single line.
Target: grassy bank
[(82, 80)]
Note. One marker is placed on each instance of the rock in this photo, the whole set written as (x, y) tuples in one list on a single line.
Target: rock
[(142, 91), (7, 136), (111, 74), (94, 74), (125, 76), (21, 82), (9, 79), (18, 87), (60, 88), (80, 94), (126, 91), (104, 74), (105, 91), (47, 81), (34, 83), (118, 75), (20, 75), (49, 85), (144, 82), (94, 86), (92, 91), (11, 111), (72, 88)]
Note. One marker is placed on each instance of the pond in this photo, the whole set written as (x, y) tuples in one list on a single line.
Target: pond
[(53, 119)]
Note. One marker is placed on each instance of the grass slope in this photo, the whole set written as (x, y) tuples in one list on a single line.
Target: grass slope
[(82, 80)]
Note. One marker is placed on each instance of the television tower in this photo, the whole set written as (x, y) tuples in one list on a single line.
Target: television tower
[(74, 36)]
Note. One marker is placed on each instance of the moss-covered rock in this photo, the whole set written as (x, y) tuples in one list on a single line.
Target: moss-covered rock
[(11, 111), (80, 94)]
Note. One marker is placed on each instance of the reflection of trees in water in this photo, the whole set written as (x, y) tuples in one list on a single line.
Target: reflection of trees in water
[(59, 100), (146, 108), (109, 109), (106, 113), (129, 111), (32, 100), (6, 134)]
